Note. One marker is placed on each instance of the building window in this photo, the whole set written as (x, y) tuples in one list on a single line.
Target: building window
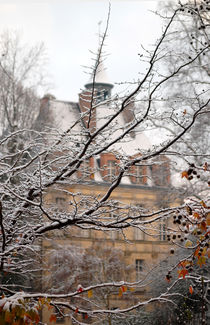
[(106, 94), (109, 166), (161, 177), (99, 97), (85, 233), (111, 170), (161, 173), (60, 200), (60, 203), (85, 171), (162, 231), (85, 166), (138, 234), (113, 234), (139, 268), (138, 174)]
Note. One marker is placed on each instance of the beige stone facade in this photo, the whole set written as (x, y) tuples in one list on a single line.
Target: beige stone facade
[(140, 249), (145, 187)]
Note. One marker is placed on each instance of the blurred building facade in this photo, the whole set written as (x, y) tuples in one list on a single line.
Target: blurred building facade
[(146, 187)]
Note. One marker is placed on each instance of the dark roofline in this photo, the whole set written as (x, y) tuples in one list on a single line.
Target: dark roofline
[(89, 85)]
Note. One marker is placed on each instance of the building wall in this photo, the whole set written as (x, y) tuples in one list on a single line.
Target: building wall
[(149, 191), (136, 247)]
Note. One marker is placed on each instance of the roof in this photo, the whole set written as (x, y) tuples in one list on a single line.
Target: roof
[(101, 77)]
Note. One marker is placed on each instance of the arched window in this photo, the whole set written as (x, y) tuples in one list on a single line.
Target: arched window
[(85, 171), (109, 166), (139, 175), (111, 170), (138, 172), (161, 171)]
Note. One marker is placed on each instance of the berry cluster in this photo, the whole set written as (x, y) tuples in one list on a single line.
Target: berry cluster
[(191, 172), (204, 6)]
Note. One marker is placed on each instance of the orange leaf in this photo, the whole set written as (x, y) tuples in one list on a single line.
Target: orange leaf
[(203, 226), (196, 251), (42, 301), (205, 166), (189, 210), (188, 243), (184, 174), (207, 234), (120, 292), (204, 251), (196, 215), (36, 319), (182, 273), (53, 318), (8, 317), (191, 290), (90, 293), (29, 317), (124, 289), (201, 261), (203, 204), (49, 307), (208, 219), (184, 263)]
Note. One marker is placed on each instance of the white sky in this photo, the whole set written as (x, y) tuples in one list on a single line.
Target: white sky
[(69, 30)]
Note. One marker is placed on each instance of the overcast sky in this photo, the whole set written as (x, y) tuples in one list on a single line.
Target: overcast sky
[(69, 30)]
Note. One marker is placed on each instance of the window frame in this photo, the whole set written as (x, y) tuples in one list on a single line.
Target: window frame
[(59, 200), (139, 268), (111, 169), (139, 174), (138, 234), (161, 172), (162, 230)]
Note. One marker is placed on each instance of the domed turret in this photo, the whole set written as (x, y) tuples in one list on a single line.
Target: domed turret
[(102, 86)]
